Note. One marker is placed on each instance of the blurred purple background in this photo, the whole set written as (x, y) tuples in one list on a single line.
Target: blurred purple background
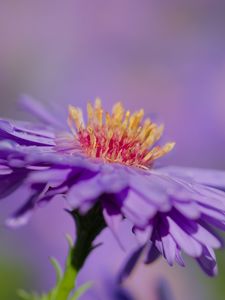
[(165, 56)]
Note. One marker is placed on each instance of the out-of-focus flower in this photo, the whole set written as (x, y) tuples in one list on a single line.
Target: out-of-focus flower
[(163, 290), (113, 289), (110, 289), (111, 160)]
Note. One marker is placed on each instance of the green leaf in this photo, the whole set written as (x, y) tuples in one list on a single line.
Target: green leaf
[(24, 295), (33, 296), (69, 240), (57, 268), (27, 296), (82, 289)]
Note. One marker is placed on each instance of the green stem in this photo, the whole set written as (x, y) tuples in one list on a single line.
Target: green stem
[(88, 227)]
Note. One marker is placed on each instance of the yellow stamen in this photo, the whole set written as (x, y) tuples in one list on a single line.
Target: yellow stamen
[(76, 117)]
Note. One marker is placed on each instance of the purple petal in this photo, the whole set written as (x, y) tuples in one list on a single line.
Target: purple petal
[(200, 232), (169, 248), (188, 209), (53, 177), (113, 219), (205, 237), (113, 179), (130, 264), (85, 193), (143, 235), (186, 242), (179, 258), (152, 254), (26, 133), (217, 223), (22, 215), (187, 190), (41, 112), (213, 178), (153, 188), (5, 170), (11, 182), (210, 197), (208, 262), (215, 214), (137, 209)]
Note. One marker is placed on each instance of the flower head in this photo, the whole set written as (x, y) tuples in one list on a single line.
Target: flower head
[(121, 137), (110, 161)]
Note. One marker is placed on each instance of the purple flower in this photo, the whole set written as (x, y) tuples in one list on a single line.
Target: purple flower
[(111, 290), (111, 160), (163, 290)]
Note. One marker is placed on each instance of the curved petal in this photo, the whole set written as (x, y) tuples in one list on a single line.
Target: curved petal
[(185, 241), (23, 214), (138, 209), (179, 258), (130, 264), (152, 254), (38, 110), (11, 182), (213, 178), (153, 188), (188, 209), (25, 133), (84, 194), (169, 248), (207, 262), (113, 218)]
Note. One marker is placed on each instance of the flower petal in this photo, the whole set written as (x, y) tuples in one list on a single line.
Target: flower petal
[(139, 210), (130, 264), (188, 209), (38, 110), (153, 253), (186, 242), (23, 214), (113, 219), (169, 248), (213, 178), (207, 262), (25, 133)]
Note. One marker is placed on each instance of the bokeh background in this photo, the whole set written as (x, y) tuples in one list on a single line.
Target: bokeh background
[(167, 56)]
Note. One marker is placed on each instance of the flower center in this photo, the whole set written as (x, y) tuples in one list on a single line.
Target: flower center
[(117, 137)]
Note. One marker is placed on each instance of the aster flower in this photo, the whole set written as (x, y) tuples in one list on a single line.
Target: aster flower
[(109, 160), (110, 289), (163, 290)]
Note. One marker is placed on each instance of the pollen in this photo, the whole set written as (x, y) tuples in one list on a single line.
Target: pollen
[(119, 136)]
